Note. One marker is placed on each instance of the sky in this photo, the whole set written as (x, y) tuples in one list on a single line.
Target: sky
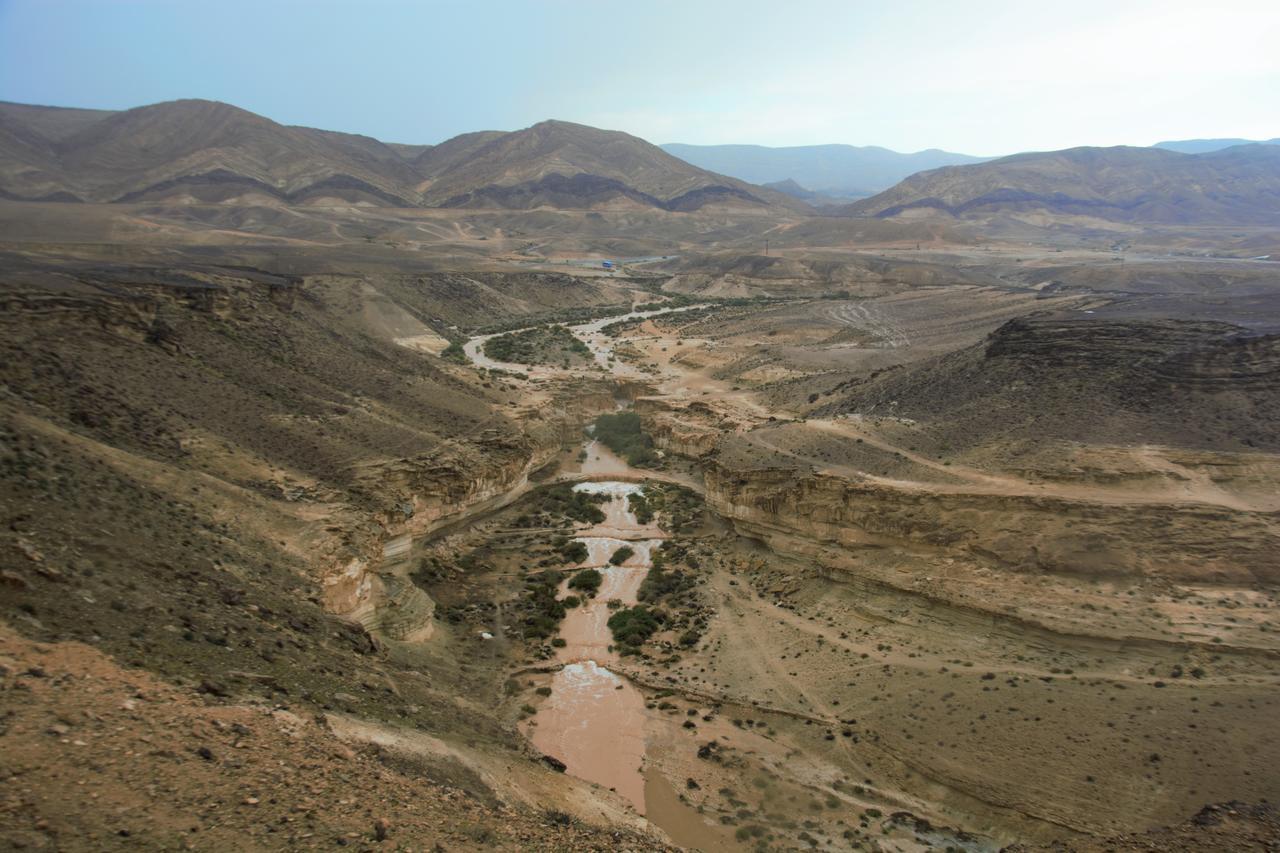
[(983, 77)]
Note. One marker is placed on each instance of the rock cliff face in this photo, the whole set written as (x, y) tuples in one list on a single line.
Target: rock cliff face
[(1095, 380), (1206, 356), (423, 495), (690, 430), (1015, 533)]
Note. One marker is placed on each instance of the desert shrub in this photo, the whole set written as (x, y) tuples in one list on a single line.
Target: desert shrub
[(536, 346), (634, 625), (640, 507), (579, 506), (621, 432), (455, 353), (587, 580), (621, 555), (543, 611), (682, 506), (660, 583), (574, 551)]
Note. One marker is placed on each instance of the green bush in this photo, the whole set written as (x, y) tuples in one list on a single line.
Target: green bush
[(454, 352), (574, 551), (634, 625), (587, 580), (543, 611), (561, 499), (621, 555), (621, 432), (542, 345), (681, 506), (640, 507), (660, 583)]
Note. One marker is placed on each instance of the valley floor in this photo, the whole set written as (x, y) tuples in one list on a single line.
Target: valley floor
[(341, 602)]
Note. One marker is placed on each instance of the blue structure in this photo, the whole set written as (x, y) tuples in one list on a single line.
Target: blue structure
[(607, 264)]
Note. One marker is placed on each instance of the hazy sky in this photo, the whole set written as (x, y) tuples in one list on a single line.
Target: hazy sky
[(978, 77)]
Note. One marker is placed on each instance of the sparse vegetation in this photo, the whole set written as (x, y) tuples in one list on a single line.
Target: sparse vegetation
[(622, 433), (561, 500), (543, 611), (542, 345), (454, 352)]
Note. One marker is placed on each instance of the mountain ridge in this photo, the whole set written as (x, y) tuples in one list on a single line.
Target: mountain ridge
[(1204, 146), (209, 152), (1238, 185)]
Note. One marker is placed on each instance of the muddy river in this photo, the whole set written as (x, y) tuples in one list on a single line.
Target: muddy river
[(594, 720), (591, 333)]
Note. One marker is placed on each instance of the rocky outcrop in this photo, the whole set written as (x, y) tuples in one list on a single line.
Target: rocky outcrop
[(1095, 380), (423, 495), (1207, 356), (1016, 533), (689, 430)]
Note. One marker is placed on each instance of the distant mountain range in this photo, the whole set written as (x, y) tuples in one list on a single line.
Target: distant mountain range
[(1231, 186), (808, 196), (206, 151), (841, 171), (197, 151), (1204, 146)]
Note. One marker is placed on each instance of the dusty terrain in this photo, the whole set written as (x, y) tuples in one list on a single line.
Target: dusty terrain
[(956, 544)]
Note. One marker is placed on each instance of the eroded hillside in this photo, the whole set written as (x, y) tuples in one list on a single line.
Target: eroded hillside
[(321, 544)]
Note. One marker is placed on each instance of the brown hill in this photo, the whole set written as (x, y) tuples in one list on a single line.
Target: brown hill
[(555, 163), (202, 149), (1239, 185), (1182, 383), (213, 152)]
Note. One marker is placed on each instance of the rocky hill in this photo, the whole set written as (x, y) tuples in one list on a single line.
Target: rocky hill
[(1174, 382), (561, 164), (200, 150), (203, 151), (1238, 185)]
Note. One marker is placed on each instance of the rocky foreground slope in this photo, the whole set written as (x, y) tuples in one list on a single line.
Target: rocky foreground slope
[(208, 476)]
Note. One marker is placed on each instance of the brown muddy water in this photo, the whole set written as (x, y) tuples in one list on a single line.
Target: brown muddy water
[(595, 721)]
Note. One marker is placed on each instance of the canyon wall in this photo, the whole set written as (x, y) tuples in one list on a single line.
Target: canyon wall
[(1016, 533)]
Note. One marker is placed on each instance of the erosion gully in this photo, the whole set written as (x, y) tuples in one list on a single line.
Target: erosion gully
[(595, 720)]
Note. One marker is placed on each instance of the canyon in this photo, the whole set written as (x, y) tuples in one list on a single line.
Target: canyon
[(875, 626), (538, 491)]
